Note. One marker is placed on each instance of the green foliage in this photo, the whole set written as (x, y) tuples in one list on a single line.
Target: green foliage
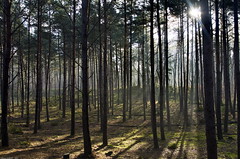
[(172, 146), (13, 129), (200, 109), (24, 143), (230, 155)]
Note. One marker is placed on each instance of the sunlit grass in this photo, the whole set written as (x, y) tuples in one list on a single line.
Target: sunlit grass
[(134, 137)]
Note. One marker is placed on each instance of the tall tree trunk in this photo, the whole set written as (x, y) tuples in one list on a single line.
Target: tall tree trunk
[(138, 68), (39, 68), (237, 73), (219, 86), (111, 75), (196, 66), (117, 75), (21, 74), (208, 81), (153, 105), (181, 43), (186, 123), (100, 64), (201, 63), (6, 61), (130, 62), (125, 62), (79, 74), (105, 102), (166, 67), (144, 77), (60, 74), (226, 71), (64, 93), (48, 60), (13, 86), (28, 71), (85, 96), (1, 62), (161, 102), (72, 102)]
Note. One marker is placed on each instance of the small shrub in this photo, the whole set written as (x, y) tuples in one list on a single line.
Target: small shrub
[(55, 123), (172, 146), (200, 109), (13, 129), (24, 143)]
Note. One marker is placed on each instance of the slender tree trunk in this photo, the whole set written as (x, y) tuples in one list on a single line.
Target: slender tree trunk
[(100, 64), (153, 105), (237, 73), (166, 67), (144, 77), (72, 101), (1, 62), (181, 47), (13, 86), (125, 63), (6, 61), (64, 92), (226, 72), (111, 76), (21, 75), (28, 73), (138, 69), (196, 67), (130, 62), (39, 67), (161, 102), (79, 75), (117, 76), (85, 96), (186, 122), (105, 102), (201, 64), (208, 82), (60, 75), (48, 69), (218, 95)]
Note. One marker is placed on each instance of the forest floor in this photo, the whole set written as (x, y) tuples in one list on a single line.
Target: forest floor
[(131, 139)]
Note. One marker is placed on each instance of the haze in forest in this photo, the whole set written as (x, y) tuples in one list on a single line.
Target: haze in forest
[(119, 79)]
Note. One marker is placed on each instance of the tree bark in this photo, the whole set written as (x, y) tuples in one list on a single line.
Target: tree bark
[(72, 101), (208, 81), (166, 65), (161, 102), (219, 82), (237, 73), (64, 92), (85, 95), (39, 68), (6, 61), (105, 94), (153, 105), (226, 71), (125, 63)]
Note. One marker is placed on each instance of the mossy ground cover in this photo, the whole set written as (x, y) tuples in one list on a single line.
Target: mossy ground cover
[(131, 139)]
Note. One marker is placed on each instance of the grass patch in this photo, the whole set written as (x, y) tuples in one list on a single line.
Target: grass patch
[(54, 123), (24, 143), (13, 129), (172, 146), (231, 155)]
